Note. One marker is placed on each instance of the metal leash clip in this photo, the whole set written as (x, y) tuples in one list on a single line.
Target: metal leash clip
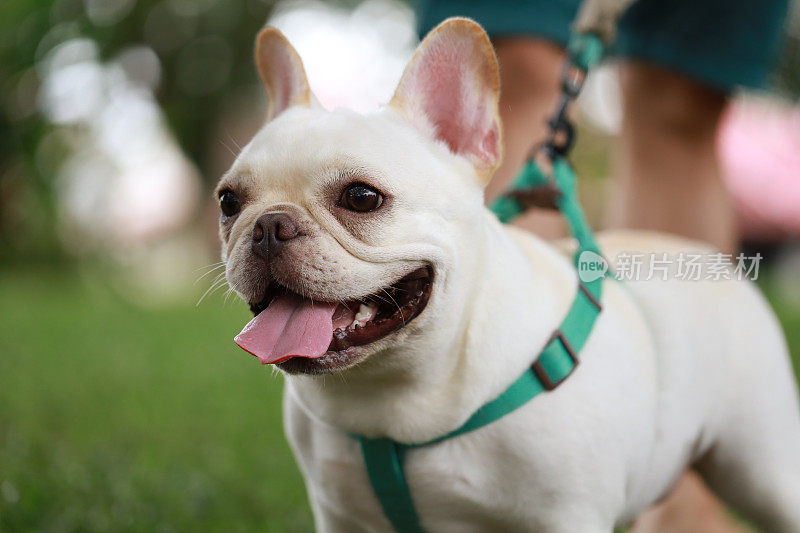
[(535, 186)]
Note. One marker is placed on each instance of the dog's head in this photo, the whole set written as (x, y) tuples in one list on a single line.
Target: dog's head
[(352, 234)]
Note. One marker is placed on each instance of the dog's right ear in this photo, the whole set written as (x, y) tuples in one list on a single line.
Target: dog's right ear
[(452, 84), (282, 73)]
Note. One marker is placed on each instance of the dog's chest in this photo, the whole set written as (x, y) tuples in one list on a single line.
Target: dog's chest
[(471, 483), (448, 492)]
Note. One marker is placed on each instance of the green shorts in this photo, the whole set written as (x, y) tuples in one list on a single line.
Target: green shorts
[(721, 43)]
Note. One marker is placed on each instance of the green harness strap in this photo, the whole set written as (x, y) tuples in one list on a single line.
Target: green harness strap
[(384, 458)]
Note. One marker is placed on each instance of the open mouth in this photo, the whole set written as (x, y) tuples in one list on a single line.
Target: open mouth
[(305, 335)]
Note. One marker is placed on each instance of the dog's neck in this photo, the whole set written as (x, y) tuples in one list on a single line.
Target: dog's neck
[(519, 290)]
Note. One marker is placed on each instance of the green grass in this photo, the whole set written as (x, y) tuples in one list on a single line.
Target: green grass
[(114, 417), (789, 316)]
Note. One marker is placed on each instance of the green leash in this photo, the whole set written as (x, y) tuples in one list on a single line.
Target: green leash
[(384, 458)]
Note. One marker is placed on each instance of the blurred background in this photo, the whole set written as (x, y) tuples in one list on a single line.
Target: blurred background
[(124, 404)]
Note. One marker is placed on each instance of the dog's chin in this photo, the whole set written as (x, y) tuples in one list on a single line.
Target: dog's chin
[(389, 311)]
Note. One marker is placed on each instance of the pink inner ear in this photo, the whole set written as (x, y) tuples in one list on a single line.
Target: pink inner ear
[(282, 73), (450, 88), (284, 80)]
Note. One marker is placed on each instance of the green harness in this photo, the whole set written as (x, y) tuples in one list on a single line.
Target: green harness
[(559, 357)]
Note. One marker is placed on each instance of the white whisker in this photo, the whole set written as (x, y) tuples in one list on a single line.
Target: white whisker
[(227, 295), (236, 144), (218, 283), (233, 153), (209, 266), (396, 304), (214, 269)]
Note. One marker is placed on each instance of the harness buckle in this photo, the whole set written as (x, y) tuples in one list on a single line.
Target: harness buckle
[(541, 373)]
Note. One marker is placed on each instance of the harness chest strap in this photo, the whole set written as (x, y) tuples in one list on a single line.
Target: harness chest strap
[(384, 458)]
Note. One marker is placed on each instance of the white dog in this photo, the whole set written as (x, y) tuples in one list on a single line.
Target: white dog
[(397, 305)]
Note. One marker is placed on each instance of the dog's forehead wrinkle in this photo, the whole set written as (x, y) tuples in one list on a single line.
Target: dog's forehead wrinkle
[(303, 175)]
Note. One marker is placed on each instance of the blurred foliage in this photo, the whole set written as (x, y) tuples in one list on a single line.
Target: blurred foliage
[(205, 50)]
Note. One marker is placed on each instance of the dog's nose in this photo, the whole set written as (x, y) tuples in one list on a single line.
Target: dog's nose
[(271, 231)]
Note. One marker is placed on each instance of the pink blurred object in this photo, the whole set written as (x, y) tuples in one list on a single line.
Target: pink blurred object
[(759, 149)]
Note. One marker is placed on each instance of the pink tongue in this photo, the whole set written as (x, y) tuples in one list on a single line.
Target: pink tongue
[(289, 327)]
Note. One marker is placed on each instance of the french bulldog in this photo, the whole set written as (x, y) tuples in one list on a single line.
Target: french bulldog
[(396, 305)]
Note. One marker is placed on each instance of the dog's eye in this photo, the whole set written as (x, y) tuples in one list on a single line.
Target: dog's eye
[(229, 203), (361, 198)]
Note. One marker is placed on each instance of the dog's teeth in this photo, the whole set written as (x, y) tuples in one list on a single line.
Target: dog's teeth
[(365, 312)]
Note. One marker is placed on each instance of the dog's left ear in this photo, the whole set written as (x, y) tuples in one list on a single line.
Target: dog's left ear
[(282, 73), (452, 84)]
